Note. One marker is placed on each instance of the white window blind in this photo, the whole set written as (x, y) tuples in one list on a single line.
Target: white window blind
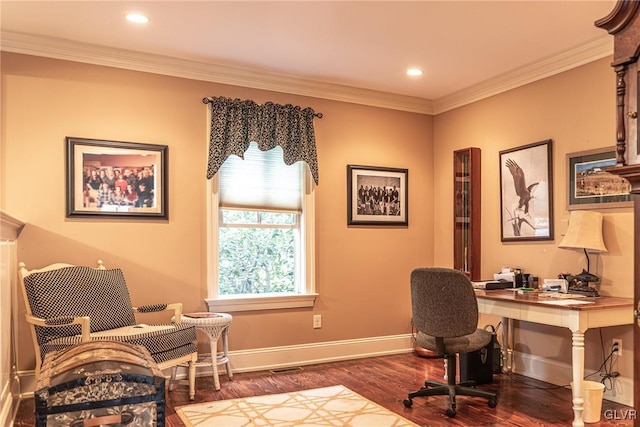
[(261, 181)]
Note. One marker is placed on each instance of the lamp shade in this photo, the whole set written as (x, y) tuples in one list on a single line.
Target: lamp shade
[(584, 232)]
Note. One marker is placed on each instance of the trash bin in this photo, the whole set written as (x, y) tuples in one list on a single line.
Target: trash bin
[(592, 393)]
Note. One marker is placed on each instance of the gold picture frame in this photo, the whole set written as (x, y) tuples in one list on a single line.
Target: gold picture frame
[(590, 186)]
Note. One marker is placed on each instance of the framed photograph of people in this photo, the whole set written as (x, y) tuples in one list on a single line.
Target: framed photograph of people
[(377, 195), (591, 186), (116, 179), (526, 192)]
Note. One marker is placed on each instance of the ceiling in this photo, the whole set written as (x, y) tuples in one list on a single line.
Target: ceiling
[(354, 51)]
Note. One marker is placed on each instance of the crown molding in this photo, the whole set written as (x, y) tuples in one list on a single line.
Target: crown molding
[(546, 67), (10, 227), (56, 48)]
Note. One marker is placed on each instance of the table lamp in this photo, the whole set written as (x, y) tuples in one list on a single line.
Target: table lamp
[(585, 232)]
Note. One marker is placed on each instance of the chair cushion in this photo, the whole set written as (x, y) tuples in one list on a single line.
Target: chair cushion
[(464, 344), (79, 291), (164, 342)]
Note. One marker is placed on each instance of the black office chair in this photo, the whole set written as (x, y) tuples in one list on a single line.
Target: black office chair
[(445, 313)]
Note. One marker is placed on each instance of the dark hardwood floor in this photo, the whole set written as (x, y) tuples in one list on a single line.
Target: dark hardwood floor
[(386, 380)]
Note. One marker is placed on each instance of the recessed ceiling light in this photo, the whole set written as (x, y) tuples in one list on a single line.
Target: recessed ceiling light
[(414, 72), (137, 18)]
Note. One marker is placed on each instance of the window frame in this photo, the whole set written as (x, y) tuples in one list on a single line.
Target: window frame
[(235, 303)]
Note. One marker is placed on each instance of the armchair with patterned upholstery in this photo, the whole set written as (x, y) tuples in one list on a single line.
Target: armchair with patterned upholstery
[(67, 304)]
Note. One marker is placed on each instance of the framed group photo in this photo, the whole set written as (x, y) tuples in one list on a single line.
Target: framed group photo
[(116, 179), (526, 192), (590, 186), (377, 195)]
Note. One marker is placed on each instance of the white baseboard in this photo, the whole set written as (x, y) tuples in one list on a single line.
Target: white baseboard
[(260, 359), (27, 384), (560, 374), (308, 354)]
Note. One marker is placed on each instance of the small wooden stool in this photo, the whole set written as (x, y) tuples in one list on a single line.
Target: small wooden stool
[(214, 325)]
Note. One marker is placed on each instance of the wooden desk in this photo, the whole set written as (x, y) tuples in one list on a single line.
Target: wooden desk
[(530, 307)]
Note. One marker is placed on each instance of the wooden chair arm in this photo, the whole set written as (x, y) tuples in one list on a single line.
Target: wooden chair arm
[(58, 322)]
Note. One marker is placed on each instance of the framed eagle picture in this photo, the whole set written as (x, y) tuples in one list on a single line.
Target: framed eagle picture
[(526, 193)]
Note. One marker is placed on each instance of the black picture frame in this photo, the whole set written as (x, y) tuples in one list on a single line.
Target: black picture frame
[(377, 196), (92, 162), (526, 192), (590, 186)]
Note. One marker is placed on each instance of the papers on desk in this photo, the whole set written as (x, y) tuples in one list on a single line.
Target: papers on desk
[(560, 295), (564, 301), (558, 298)]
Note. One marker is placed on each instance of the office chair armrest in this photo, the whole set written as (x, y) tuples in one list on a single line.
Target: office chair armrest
[(153, 308), (61, 321)]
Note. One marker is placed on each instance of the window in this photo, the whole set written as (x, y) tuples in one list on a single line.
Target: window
[(260, 234), (257, 252)]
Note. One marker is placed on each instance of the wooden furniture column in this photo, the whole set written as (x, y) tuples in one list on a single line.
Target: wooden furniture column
[(466, 212), (624, 24), (9, 380)]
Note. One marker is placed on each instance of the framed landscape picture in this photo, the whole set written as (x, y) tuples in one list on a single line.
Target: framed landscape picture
[(591, 186), (116, 179), (526, 192), (377, 195)]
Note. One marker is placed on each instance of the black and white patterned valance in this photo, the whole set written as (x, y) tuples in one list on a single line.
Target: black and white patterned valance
[(235, 123)]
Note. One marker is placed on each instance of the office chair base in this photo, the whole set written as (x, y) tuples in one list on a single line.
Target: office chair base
[(432, 388)]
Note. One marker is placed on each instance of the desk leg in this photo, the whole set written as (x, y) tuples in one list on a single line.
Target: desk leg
[(507, 345), (511, 344), (577, 355)]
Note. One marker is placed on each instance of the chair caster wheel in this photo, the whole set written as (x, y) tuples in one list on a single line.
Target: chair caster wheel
[(492, 403), (450, 413), (407, 403)]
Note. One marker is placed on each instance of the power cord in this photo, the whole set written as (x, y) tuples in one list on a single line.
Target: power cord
[(607, 366)]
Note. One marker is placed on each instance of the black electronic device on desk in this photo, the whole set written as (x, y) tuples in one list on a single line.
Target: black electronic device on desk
[(580, 284), (583, 290), (489, 285)]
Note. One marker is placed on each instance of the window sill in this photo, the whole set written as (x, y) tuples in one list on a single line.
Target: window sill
[(267, 302)]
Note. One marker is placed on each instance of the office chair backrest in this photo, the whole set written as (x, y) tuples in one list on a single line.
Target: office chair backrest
[(443, 302)]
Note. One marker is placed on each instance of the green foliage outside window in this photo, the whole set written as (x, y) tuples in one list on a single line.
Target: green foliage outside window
[(255, 260)]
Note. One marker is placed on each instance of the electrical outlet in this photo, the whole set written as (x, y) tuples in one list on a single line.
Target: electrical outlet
[(616, 346), (317, 321)]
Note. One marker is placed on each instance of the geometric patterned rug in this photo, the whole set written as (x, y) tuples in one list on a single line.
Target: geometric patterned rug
[(335, 406)]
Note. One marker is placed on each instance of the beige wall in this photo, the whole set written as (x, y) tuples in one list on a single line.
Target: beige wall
[(576, 109), (361, 271)]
